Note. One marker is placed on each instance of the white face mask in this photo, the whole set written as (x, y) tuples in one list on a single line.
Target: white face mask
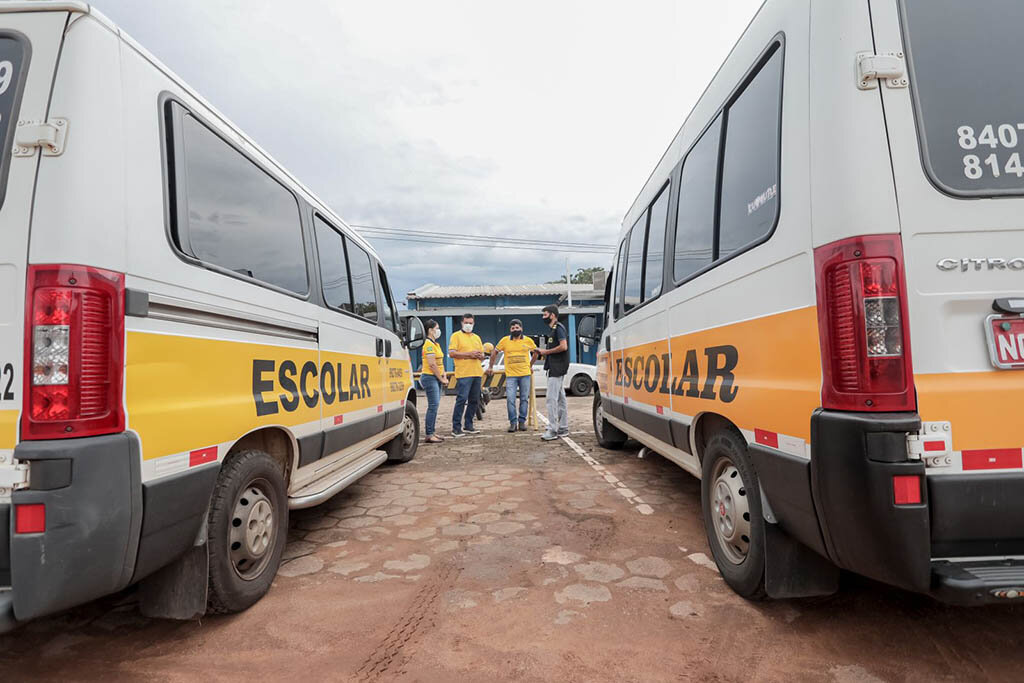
[(435, 333), (467, 327)]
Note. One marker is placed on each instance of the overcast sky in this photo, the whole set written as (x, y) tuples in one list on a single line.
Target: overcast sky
[(534, 119)]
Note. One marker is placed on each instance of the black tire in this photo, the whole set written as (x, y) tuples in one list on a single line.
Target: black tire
[(608, 435), (581, 385), (403, 447), (248, 482), (734, 524)]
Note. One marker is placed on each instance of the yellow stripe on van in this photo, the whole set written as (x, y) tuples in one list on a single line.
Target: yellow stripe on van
[(8, 428), (185, 393), (773, 366)]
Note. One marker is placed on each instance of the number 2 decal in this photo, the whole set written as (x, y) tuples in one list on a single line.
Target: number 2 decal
[(8, 374)]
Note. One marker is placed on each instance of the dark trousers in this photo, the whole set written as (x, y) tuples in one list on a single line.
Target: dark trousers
[(467, 397)]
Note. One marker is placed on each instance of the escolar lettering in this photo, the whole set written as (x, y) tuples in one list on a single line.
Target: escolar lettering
[(303, 385), (653, 374)]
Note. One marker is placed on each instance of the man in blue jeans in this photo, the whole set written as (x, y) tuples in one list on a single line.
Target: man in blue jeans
[(518, 352), (466, 350)]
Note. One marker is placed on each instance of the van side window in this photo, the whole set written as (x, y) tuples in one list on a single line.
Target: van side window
[(620, 270), (390, 313), (695, 222), (363, 293), (750, 161), (239, 217), (655, 256), (633, 288), (333, 266)]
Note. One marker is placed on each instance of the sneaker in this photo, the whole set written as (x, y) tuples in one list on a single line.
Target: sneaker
[(512, 427), (563, 432), (522, 426), (549, 436), (470, 430), (456, 434)]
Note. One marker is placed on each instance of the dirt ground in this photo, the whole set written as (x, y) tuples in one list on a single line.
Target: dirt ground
[(501, 557)]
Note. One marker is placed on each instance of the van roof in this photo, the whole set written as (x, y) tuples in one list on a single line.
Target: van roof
[(85, 8)]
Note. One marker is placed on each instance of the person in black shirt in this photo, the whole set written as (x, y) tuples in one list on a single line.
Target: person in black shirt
[(556, 362)]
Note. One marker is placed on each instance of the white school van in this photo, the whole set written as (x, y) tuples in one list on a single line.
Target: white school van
[(190, 342), (818, 302)]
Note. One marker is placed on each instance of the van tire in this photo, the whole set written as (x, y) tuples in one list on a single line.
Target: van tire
[(403, 447), (733, 520), (608, 435), (581, 385), (250, 487)]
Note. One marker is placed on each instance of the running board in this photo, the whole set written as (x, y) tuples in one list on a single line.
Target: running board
[(323, 489), (974, 582)]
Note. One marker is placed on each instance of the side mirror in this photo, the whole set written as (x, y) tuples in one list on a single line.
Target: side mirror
[(413, 333), (587, 330)]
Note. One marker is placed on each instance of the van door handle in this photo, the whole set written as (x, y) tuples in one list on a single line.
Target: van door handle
[(607, 343), (380, 348), (387, 348)]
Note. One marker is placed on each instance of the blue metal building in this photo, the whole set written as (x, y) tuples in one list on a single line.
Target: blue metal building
[(494, 306)]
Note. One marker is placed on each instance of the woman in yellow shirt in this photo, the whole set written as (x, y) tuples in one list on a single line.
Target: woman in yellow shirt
[(432, 377)]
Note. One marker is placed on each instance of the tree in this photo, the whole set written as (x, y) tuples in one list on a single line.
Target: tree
[(582, 276)]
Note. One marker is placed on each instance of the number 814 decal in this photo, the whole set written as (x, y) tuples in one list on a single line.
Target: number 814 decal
[(993, 136)]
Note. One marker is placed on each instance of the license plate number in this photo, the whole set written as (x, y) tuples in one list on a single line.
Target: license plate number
[(1006, 341)]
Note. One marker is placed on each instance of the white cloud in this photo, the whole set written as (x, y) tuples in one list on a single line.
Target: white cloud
[(534, 119)]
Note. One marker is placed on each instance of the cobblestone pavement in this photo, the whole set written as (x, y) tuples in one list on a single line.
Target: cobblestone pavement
[(501, 557)]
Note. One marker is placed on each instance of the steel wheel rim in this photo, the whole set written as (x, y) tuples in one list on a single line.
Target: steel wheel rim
[(253, 530), (730, 511), (408, 433), (599, 420)]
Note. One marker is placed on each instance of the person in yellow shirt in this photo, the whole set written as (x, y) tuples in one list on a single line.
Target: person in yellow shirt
[(466, 349), (518, 351), (432, 378)]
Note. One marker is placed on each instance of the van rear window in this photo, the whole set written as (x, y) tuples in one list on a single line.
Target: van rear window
[(12, 67), (965, 78)]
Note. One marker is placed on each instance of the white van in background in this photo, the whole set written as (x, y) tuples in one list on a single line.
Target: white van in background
[(818, 304), (191, 343)]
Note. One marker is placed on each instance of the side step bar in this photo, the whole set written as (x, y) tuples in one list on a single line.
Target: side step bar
[(323, 489), (978, 582)]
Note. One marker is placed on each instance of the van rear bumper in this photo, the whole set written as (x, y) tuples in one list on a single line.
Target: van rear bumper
[(92, 494), (854, 459)]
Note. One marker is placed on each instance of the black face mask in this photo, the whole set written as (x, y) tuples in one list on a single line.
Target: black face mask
[(517, 334)]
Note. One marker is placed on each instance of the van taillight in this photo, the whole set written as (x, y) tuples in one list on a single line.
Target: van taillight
[(74, 352), (862, 321)]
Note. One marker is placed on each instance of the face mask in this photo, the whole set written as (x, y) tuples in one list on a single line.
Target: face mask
[(467, 327), (516, 334), (435, 333), (547, 320)]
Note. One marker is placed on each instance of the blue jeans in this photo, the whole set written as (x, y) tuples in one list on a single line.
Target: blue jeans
[(432, 388), (523, 385), (467, 397)]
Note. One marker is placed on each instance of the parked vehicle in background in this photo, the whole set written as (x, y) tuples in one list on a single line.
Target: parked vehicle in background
[(192, 345), (578, 381), (841, 370)]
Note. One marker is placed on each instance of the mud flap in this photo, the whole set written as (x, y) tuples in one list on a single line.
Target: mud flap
[(179, 590), (792, 570)]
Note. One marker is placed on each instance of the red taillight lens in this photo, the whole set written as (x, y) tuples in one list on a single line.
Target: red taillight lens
[(906, 489), (30, 518), (862, 300), (74, 349)]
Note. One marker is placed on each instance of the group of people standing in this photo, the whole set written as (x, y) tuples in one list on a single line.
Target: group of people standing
[(466, 350)]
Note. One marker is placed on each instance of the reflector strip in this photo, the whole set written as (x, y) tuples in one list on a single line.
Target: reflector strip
[(30, 518), (994, 459), (661, 410), (338, 419), (906, 489), (766, 438), (380, 409), (202, 456), (932, 446)]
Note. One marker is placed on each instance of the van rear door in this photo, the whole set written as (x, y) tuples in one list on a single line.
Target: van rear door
[(956, 137), (29, 48)]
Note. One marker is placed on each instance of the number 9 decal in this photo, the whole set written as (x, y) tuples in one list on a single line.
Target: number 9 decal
[(6, 74)]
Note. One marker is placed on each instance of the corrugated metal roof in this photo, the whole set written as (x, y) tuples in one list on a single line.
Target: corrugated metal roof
[(432, 291)]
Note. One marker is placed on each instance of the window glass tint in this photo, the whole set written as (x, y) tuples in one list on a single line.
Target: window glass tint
[(750, 165), (362, 281), (333, 269), (656, 245), (390, 314), (620, 270), (632, 288), (965, 60), (240, 218), (695, 222)]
